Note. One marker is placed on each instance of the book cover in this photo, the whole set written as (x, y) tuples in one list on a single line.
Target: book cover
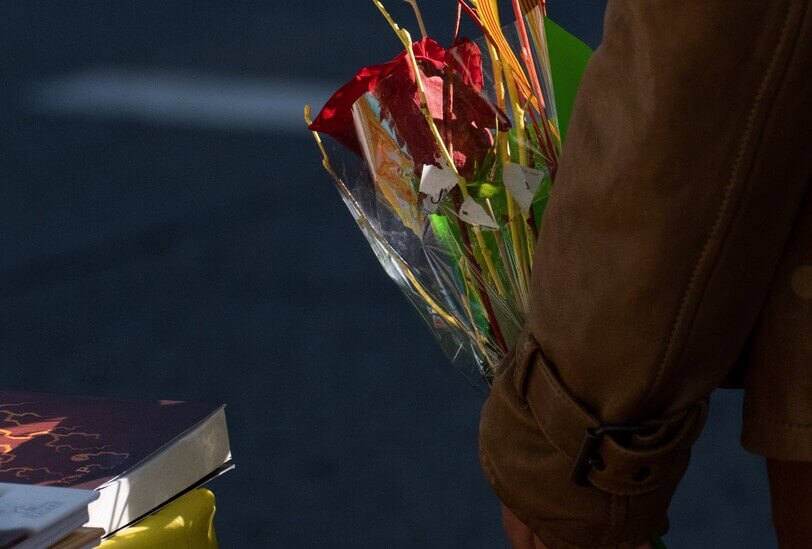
[(84, 442)]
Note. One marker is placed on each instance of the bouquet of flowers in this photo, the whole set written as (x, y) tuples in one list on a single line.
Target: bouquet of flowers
[(446, 157)]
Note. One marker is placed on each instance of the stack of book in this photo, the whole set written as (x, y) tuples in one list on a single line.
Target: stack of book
[(44, 516), (85, 467)]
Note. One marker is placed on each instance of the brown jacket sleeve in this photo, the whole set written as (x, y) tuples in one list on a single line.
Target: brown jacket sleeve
[(687, 157)]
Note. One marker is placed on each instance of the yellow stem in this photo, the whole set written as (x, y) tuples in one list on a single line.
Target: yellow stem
[(472, 333), (364, 222), (406, 39), (521, 135), (419, 17), (479, 337), (521, 132), (504, 155), (435, 307)]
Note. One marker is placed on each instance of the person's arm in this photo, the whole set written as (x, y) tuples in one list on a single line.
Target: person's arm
[(791, 492), (684, 167)]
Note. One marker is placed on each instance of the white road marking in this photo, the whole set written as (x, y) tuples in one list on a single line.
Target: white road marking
[(177, 98)]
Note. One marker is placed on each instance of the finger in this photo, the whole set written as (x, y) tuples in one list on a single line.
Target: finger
[(519, 535)]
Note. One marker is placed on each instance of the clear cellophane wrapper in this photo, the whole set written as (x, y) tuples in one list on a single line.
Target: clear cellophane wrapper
[(463, 258)]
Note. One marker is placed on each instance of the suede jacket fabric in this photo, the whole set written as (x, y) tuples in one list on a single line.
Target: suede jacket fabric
[(670, 251)]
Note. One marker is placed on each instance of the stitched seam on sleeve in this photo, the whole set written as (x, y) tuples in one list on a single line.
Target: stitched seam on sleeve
[(522, 357), (578, 410), (724, 206)]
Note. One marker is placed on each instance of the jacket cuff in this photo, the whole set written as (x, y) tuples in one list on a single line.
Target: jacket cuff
[(532, 440)]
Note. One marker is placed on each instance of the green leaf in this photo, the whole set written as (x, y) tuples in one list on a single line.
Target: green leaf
[(568, 60)]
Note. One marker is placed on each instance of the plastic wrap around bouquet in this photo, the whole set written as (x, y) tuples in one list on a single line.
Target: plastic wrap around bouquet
[(446, 158)]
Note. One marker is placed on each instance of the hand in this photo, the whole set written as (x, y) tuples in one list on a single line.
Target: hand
[(522, 537), (519, 535)]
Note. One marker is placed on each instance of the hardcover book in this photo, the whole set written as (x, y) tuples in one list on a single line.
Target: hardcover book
[(39, 516), (138, 455)]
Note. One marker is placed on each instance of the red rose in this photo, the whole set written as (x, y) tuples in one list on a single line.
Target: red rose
[(472, 114)]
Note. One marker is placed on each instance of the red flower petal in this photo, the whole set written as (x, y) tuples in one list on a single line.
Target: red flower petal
[(466, 59), (335, 118), (394, 86)]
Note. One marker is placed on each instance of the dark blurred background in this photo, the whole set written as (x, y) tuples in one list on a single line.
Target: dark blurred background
[(167, 232)]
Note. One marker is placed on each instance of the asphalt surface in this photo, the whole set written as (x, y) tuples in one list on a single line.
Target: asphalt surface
[(205, 256)]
